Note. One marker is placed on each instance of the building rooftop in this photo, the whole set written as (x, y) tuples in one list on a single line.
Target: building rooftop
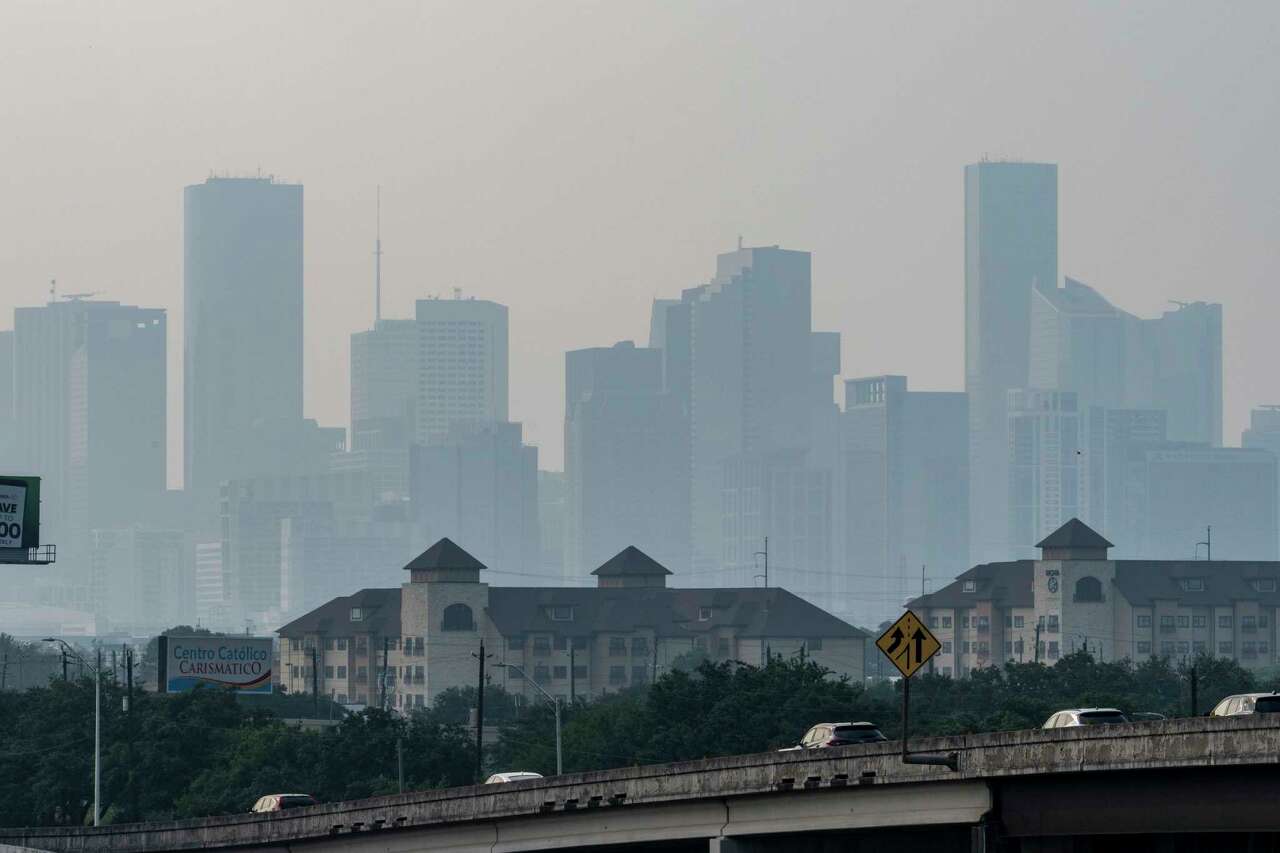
[(670, 613), (631, 561), (1075, 534), (445, 554), (1004, 584), (378, 609)]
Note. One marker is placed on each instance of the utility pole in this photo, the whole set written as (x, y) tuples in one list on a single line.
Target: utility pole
[(655, 657), (480, 716), (97, 739), (765, 554), (315, 683), (400, 763), (573, 678), (64, 664), (382, 700), (1195, 691), (1038, 625), (128, 707)]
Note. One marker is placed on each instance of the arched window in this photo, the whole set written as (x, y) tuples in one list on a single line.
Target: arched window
[(1088, 589), (457, 617)]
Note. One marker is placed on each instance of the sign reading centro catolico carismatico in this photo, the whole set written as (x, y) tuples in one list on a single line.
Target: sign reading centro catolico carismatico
[(242, 664)]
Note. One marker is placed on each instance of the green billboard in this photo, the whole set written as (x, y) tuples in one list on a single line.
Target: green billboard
[(19, 512)]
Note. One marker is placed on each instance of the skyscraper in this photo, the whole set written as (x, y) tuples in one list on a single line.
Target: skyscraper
[(242, 277), (906, 467), (1046, 476), (89, 401), (626, 460), (384, 384), (750, 378), (462, 366), (1011, 248), (1081, 342), (8, 438)]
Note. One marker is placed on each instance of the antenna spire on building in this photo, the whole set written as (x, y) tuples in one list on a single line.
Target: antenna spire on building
[(377, 263)]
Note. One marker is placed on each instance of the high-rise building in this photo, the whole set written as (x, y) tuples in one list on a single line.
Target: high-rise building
[(1046, 474), (140, 579), (1181, 490), (242, 277), (626, 460), (1081, 342), (1011, 249), (384, 384), (212, 596), (462, 366), (89, 401), (1116, 442), (1264, 429), (906, 475), (751, 374), (479, 486)]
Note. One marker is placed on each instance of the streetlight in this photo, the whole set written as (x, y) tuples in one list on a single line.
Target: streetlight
[(97, 717), (555, 700)]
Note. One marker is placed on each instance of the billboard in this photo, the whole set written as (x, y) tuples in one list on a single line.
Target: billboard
[(19, 512), (242, 664)]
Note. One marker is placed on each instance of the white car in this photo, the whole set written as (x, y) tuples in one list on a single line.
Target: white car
[(513, 776), (1085, 717), (1247, 703)]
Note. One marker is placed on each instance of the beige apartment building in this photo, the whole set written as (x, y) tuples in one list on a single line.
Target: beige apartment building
[(572, 641), (1075, 598)]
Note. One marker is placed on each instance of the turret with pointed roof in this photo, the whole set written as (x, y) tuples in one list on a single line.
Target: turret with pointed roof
[(1074, 540), (631, 567), (444, 561)]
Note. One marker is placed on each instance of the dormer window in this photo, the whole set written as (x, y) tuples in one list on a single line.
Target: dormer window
[(704, 614), (969, 586), (357, 614), (1191, 584), (1264, 585), (560, 614)]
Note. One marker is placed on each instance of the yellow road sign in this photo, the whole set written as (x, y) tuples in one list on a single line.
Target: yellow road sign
[(908, 644)]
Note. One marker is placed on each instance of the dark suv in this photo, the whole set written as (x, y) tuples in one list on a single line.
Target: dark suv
[(838, 734)]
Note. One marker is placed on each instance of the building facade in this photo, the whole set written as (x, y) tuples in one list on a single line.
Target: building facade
[(905, 457), (243, 304), (462, 366), (1011, 249), (1046, 471), (1075, 598), (572, 641), (626, 461)]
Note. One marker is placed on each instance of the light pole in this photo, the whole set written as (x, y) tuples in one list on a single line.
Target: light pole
[(555, 701), (97, 719)]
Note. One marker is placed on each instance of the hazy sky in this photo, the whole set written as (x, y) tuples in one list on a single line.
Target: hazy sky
[(576, 160)]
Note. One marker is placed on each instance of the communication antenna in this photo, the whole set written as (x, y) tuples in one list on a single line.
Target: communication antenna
[(53, 290), (1179, 303), (377, 263)]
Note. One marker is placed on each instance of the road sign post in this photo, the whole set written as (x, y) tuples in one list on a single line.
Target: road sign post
[(909, 644)]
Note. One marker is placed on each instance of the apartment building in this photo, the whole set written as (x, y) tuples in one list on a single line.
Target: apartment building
[(1075, 598), (400, 648)]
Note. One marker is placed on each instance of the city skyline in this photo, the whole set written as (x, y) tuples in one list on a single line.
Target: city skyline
[(856, 174)]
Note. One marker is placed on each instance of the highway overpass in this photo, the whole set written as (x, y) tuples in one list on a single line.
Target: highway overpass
[(1196, 784)]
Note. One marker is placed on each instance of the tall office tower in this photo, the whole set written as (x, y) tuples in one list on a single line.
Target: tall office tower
[(1180, 490), (751, 377), (8, 436), (384, 384), (479, 487), (242, 278), (141, 580), (212, 599), (1011, 249), (1046, 474), (1181, 367), (1264, 429), (1081, 342), (906, 475), (626, 461), (89, 398), (1116, 441), (462, 366)]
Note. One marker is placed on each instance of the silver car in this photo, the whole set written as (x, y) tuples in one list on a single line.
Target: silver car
[(1247, 703), (1073, 717)]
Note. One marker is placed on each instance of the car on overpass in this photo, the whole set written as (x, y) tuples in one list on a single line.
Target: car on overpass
[(282, 802), (1073, 717), (825, 735), (1247, 703), (512, 776)]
